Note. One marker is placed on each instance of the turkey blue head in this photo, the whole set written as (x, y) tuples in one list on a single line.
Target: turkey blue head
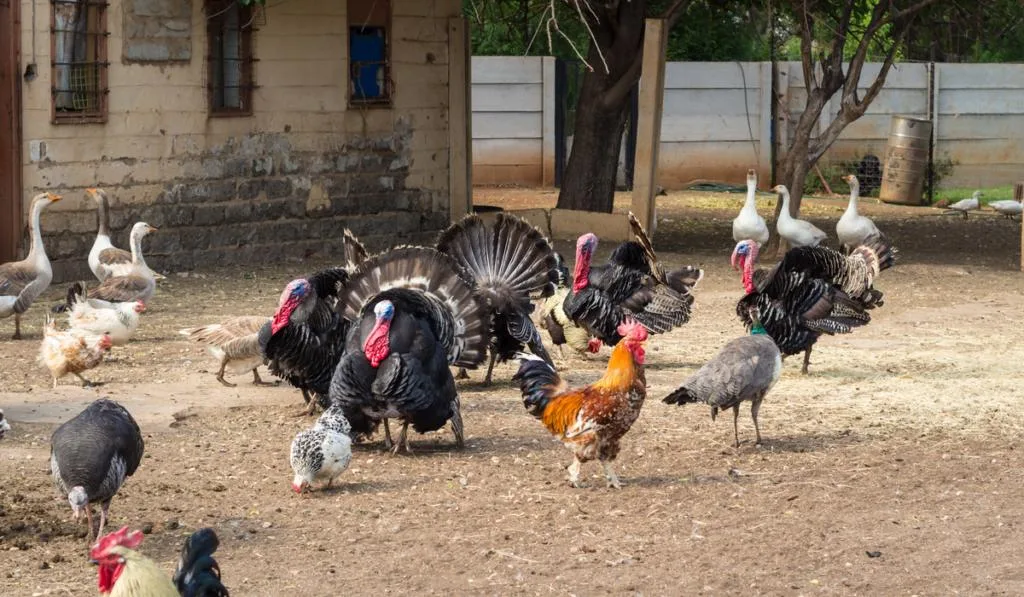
[(377, 347), (585, 247), (79, 501), (744, 256), (294, 294)]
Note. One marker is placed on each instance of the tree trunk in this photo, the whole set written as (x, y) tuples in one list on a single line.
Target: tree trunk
[(793, 173), (588, 183)]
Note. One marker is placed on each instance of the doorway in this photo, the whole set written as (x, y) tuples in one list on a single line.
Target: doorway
[(10, 131)]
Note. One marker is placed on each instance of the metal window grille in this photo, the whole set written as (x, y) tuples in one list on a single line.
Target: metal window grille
[(230, 58), (79, 60)]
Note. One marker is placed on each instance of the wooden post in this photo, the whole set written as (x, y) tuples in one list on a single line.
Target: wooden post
[(460, 131), (648, 133), (1018, 195)]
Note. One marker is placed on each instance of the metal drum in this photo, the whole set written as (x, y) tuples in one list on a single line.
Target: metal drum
[(906, 161)]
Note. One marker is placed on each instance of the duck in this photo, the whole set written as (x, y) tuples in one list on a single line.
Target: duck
[(799, 233), (965, 205), (749, 225), (105, 259), (21, 282), (136, 282), (1007, 207), (852, 228)]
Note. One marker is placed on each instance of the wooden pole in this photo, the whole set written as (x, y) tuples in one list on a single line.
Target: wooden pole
[(648, 134), (460, 132), (1018, 195)]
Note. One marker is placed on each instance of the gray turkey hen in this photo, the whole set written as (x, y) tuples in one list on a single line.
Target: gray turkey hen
[(811, 291), (414, 314), (92, 454), (512, 264)]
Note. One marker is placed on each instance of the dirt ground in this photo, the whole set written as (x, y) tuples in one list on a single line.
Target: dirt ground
[(892, 469)]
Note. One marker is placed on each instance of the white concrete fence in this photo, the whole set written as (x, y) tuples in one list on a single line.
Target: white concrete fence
[(717, 119)]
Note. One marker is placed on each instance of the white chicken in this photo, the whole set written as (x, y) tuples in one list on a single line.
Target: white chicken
[(798, 233), (1007, 207), (854, 229), (749, 225), (97, 317), (64, 352), (965, 205)]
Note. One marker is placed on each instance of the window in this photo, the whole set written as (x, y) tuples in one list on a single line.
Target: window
[(230, 57), (79, 50), (368, 52)]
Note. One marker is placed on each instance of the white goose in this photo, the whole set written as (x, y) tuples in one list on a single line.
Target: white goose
[(797, 232), (965, 205), (21, 282), (136, 282), (105, 259), (749, 225), (1008, 207), (854, 229)]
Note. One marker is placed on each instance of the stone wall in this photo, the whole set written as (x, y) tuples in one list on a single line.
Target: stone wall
[(281, 183)]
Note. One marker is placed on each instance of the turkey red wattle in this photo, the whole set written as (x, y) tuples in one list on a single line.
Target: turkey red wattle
[(584, 252), (283, 315), (377, 347)]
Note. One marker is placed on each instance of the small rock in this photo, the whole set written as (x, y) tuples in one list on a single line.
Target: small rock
[(147, 528), (57, 559), (874, 554), (171, 525), (44, 565)]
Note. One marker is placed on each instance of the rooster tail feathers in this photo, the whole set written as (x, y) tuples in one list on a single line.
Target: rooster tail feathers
[(355, 252), (75, 291), (512, 260), (436, 275), (198, 574), (538, 381)]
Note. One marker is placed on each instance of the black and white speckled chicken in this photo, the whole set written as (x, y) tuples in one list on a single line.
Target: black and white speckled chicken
[(512, 264), (322, 452), (92, 454), (414, 314)]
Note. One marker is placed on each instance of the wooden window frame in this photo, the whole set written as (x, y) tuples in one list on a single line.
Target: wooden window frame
[(102, 35), (386, 101), (246, 85)]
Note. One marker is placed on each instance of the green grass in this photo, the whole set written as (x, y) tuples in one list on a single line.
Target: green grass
[(955, 194)]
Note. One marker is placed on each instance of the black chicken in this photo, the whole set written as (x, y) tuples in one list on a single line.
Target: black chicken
[(92, 454), (512, 264), (414, 315), (812, 291)]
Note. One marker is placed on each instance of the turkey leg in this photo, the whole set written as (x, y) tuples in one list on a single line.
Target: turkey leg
[(807, 360), (736, 423)]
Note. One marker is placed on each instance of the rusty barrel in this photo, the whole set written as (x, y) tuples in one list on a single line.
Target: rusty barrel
[(906, 161)]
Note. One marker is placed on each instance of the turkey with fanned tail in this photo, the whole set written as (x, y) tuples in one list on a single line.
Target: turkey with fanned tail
[(414, 313), (304, 341), (811, 291), (511, 264), (92, 454)]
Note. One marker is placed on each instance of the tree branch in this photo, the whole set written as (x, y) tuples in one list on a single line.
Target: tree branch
[(806, 44), (672, 14)]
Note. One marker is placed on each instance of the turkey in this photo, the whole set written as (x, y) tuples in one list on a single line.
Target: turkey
[(798, 233), (852, 228), (965, 205), (414, 314), (322, 452), (745, 369), (631, 285), (812, 291), (303, 342), (511, 264), (92, 454), (553, 318), (749, 224), (233, 342)]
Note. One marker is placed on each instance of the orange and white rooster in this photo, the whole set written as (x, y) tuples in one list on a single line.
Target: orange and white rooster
[(66, 352), (590, 421)]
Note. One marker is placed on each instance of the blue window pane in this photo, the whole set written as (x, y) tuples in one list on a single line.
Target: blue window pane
[(367, 53)]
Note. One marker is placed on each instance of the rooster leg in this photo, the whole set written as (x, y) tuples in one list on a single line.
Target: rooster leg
[(807, 360), (55, 383), (755, 406), (609, 474), (574, 472), (387, 436), (85, 382), (462, 374), (17, 327), (220, 376), (490, 369), (736, 423)]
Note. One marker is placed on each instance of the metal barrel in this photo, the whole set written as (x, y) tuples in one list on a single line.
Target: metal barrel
[(906, 161)]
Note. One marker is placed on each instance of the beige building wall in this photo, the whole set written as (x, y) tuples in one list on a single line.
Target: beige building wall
[(283, 181)]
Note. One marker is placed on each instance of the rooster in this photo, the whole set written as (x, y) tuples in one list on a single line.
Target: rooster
[(632, 285), (124, 572), (590, 421), (511, 264), (64, 352), (811, 291), (414, 314)]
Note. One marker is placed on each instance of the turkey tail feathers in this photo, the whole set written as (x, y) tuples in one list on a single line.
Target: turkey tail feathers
[(877, 252), (355, 252), (645, 243), (681, 395), (510, 258), (437, 276)]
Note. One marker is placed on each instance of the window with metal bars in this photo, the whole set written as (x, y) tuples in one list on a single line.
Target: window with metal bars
[(229, 28), (79, 60), (369, 52)]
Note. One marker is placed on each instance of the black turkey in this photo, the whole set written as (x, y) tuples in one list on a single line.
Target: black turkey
[(512, 264), (91, 456), (414, 314), (812, 291)]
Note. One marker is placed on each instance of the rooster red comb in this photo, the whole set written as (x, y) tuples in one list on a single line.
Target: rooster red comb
[(633, 330), (122, 538)]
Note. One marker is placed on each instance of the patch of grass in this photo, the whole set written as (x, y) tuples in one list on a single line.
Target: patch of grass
[(954, 194)]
